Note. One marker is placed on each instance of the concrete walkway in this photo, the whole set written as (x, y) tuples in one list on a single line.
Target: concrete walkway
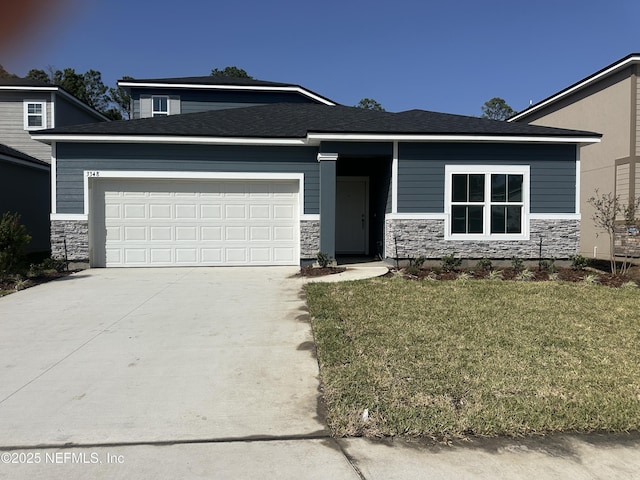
[(354, 271), (210, 373)]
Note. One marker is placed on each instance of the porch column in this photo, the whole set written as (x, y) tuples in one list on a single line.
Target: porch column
[(328, 203)]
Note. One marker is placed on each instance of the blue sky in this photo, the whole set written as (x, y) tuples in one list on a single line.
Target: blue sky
[(448, 56)]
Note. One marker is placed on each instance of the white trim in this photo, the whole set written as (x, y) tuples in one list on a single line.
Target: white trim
[(524, 170), (443, 216), (331, 157), (43, 115), (53, 110), (172, 139), (54, 177), (311, 139), (166, 175), (355, 137), (309, 217), (415, 216), (578, 175), (162, 114), (394, 178), (193, 86), (554, 216), (576, 87), (69, 216)]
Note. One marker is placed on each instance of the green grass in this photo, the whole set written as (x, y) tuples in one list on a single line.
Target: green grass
[(444, 359)]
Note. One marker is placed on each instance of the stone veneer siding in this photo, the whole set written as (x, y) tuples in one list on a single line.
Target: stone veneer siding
[(76, 234), (309, 238), (425, 237), (627, 241)]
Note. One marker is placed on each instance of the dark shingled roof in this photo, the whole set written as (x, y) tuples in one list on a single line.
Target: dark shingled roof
[(288, 120), (23, 82), (12, 152)]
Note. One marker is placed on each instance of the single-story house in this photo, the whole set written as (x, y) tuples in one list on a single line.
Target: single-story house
[(274, 184)]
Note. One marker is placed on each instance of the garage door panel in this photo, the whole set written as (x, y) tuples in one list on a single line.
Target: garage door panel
[(178, 222), (160, 211), (135, 233)]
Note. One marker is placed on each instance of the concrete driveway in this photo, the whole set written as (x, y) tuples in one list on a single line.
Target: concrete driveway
[(116, 356)]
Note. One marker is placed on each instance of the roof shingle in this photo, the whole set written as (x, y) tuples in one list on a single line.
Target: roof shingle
[(287, 120)]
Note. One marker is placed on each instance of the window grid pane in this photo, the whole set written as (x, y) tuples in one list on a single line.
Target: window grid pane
[(468, 203)]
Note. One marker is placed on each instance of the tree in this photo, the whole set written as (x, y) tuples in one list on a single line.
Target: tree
[(497, 109), (5, 74), (370, 104), (121, 101), (231, 71), (38, 74), (607, 210)]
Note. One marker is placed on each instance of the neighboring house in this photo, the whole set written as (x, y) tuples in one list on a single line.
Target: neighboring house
[(160, 97), (607, 102), (275, 183), (25, 188), (27, 106)]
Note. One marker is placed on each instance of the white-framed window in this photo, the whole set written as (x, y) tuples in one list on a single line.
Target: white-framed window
[(159, 105), (487, 202), (35, 114)]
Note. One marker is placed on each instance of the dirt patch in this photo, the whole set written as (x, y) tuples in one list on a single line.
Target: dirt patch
[(311, 271)]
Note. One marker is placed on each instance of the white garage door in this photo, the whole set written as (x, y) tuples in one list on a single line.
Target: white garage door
[(186, 222)]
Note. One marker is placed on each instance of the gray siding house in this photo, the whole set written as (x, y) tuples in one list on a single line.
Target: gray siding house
[(25, 188), (160, 97), (274, 183), (27, 106)]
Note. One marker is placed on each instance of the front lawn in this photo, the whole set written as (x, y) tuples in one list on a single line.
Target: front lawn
[(446, 359)]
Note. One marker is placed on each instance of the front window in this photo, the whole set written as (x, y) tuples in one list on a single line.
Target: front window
[(486, 202), (35, 115), (160, 106)]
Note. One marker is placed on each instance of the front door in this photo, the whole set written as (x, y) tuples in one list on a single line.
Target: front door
[(352, 215)]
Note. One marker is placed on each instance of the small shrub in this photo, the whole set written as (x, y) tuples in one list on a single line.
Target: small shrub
[(463, 277), (323, 259), (13, 240), (495, 275), (591, 279), (578, 262), (554, 276), (548, 265), (35, 270), (414, 265), (484, 264), (517, 264), (432, 277), (450, 262), (525, 275), (57, 264)]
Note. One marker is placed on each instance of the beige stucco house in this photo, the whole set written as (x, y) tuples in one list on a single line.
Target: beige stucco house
[(607, 102)]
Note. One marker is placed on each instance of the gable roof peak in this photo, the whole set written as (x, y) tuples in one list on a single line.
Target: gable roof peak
[(615, 67)]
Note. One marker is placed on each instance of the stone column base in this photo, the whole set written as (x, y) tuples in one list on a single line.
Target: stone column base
[(70, 240)]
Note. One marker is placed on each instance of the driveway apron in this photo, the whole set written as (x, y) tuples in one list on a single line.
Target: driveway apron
[(113, 356)]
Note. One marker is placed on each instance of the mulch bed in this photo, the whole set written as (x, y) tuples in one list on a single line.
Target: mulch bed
[(564, 274), (311, 271), (9, 285)]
